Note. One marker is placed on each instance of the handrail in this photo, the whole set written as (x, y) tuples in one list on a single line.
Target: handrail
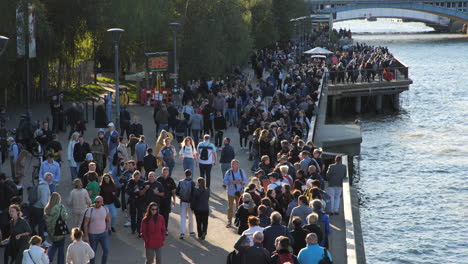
[(399, 73), (351, 254)]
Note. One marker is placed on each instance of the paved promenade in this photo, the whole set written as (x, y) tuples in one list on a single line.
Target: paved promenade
[(127, 248)]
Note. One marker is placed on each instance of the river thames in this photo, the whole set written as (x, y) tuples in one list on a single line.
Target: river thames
[(414, 163)]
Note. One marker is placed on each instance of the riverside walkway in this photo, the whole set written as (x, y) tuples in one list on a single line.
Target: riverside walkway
[(128, 249)]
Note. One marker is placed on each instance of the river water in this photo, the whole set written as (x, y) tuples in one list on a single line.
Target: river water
[(413, 167)]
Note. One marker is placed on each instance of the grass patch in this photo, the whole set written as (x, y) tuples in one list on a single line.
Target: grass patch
[(83, 93), (106, 80)]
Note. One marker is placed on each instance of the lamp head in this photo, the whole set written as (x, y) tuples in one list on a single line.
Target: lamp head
[(3, 43), (116, 34)]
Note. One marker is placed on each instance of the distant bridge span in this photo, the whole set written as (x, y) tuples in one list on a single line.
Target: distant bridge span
[(454, 9), (392, 13)]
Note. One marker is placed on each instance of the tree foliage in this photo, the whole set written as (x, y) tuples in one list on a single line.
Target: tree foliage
[(215, 36)]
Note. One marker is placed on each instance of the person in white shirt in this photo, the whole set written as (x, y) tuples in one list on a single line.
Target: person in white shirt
[(253, 227), (206, 158), (35, 254), (188, 154), (79, 252)]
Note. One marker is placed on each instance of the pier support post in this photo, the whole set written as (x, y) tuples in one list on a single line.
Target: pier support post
[(378, 103), (351, 169), (333, 105), (396, 101), (358, 105)]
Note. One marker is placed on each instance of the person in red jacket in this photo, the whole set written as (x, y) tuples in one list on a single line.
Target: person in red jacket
[(153, 232)]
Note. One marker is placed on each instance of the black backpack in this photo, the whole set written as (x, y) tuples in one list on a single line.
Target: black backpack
[(325, 259), (204, 153)]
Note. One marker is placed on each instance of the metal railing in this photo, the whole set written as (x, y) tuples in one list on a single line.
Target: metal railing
[(368, 76)]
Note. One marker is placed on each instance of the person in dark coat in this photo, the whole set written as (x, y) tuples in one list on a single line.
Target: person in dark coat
[(136, 128), (150, 162), (275, 230), (246, 209), (299, 234), (101, 117), (199, 204), (255, 254), (125, 120)]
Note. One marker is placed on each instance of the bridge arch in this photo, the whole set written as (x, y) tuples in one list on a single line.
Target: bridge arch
[(453, 13)]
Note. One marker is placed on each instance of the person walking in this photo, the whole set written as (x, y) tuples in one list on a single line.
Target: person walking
[(302, 210), (136, 200), (168, 153), (36, 214), (149, 162), (196, 125), (169, 186), (275, 230), (199, 204), (255, 254), (160, 142), (335, 175), (79, 252), (78, 201), (227, 155), (13, 152), (19, 234), (220, 127), (96, 226), (108, 191), (313, 253), (140, 151), (97, 149), (184, 191), (206, 159), (71, 161), (282, 254), (50, 166), (153, 230), (93, 186), (245, 210), (188, 154), (35, 254), (153, 189), (234, 181), (80, 149), (53, 212), (253, 222), (112, 138)]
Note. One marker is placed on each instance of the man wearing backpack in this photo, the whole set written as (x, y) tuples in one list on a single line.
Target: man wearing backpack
[(38, 197), (234, 181), (282, 255), (184, 191), (207, 158)]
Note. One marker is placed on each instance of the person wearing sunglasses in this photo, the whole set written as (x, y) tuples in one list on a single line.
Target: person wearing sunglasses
[(153, 230)]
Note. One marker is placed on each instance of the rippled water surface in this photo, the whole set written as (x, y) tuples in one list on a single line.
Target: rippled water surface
[(414, 164)]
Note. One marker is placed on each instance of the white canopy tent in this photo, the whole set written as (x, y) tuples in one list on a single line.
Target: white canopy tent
[(318, 50)]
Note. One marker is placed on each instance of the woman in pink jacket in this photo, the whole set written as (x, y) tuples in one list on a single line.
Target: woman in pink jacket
[(153, 232)]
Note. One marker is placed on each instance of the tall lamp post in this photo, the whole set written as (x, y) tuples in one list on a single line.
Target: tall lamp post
[(174, 27), (3, 44), (116, 35)]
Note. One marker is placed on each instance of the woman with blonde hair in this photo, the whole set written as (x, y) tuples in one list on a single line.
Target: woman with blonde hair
[(54, 211), (79, 252), (78, 201), (160, 143), (188, 154), (246, 209)]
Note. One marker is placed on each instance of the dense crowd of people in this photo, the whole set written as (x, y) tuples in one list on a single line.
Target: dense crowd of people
[(279, 204)]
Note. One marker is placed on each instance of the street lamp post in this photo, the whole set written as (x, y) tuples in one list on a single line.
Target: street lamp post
[(174, 26), (116, 35), (3, 44)]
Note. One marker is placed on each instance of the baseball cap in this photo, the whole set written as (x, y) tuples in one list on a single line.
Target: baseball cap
[(89, 156), (111, 124)]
